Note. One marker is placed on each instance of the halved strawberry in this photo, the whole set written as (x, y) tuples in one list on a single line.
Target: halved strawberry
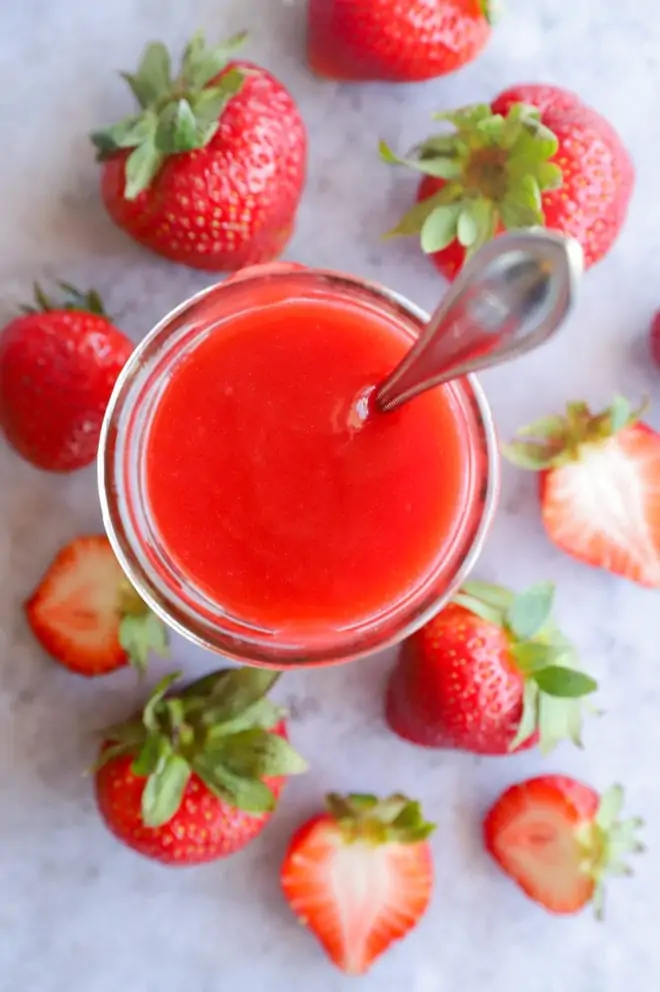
[(558, 839), (360, 876), (599, 486), (86, 614)]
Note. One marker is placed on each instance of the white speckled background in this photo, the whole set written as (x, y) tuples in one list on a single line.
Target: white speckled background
[(78, 913)]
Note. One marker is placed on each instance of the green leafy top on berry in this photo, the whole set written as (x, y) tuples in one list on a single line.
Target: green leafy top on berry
[(140, 630), (606, 841), (555, 441), (220, 728), (73, 299), (494, 168), (554, 684), (366, 818), (176, 114)]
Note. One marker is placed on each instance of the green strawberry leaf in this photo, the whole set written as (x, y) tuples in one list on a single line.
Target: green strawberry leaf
[(486, 611), (158, 693), (552, 426), (483, 216), (529, 719), (566, 683), (531, 610), (201, 64), (532, 656), (413, 220), (465, 117), (620, 413), (467, 228), (549, 176), (142, 166), (559, 719), (231, 691), (529, 454), (439, 144), (609, 808), (439, 228), (164, 789), (493, 595), (521, 207), (210, 102), (177, 129), (127, 133), (147, 760), (250, 795), (256, 753), (398, 809), (152, 81), (410, 827), (264, 714), (139, 634)]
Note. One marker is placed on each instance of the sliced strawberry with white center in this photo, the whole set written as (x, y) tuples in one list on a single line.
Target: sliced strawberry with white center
[(558, 839), (360, 876), (600, 487), (86, 614)]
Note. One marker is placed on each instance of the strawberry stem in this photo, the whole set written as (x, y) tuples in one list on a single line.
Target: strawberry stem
[(72, 299)]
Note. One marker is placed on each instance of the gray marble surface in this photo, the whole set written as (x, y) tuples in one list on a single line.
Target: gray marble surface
[(78, 913)]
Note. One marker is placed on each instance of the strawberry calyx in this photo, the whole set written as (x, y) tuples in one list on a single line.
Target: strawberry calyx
[(366, 818), (557, 440), (177, 114), (606, 841), (140, 630), (72, 299), (494, 169), (554, 685), (219, 728)]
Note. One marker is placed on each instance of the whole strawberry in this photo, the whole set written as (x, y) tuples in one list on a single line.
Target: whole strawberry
[(58, 365), (599, 486), (537, 156), (559, 840), (490, 674), (209, 171), (88, 617), (196, 777), (360, 876), (395, 40)]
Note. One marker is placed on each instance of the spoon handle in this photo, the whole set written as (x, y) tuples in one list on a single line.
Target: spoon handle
[(510, 297)]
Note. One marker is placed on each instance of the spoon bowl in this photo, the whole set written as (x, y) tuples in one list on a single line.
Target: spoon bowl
[(509, 298)]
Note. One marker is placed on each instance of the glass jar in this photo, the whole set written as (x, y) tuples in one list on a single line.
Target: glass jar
[(134, 534)]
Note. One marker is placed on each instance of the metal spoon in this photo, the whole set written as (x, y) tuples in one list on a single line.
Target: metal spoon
[(511, 296)]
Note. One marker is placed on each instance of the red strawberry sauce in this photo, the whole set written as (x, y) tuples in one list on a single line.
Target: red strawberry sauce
[(268, 493)]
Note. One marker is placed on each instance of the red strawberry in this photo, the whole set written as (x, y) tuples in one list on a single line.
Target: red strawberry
[(196, 777), (599, 486), (490, 674), (58, 364), (655, 338), (558, 839), (210, 169), (86, 614), (395, 40), (536, 156), (360, 876)]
